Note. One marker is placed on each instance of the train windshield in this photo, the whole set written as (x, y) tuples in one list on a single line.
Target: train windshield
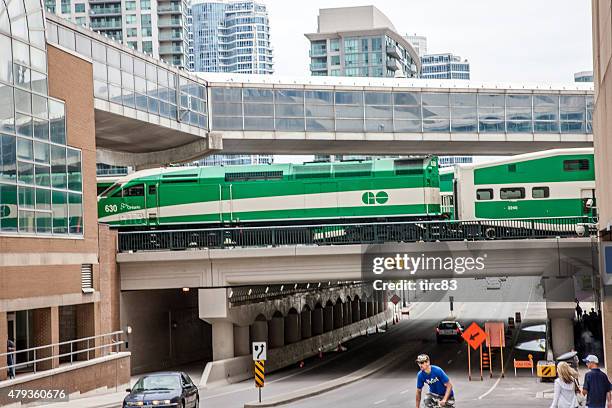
[(106, 192)]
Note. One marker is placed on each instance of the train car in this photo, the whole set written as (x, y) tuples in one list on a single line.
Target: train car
[(447, 192), (552, 183), (381, 189)]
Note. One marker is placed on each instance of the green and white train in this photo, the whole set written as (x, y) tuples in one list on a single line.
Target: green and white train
[(382, 189), (552, 183), (548, 184)]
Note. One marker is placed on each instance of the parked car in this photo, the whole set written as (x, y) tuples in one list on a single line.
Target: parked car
[(165, 389), (493, 283), (449, 329)]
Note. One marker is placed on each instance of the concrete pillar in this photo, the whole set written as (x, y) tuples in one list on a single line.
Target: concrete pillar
[(371, 308), (292, 328), (381, 302), (328, 318), (606, 327), (276, 332), (346, 313), (88, 325), (355, 313), (306, 323), (3, 339), (242, 347), (222, 340), (259, 330), (317, 321), (338, 312), (45, 331), (375, 306), (562, 331), (363, 310)]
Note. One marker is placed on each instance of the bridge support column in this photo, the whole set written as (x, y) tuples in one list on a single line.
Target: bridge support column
[(363, 310), (292, 328), (276, 332), (355, 313), (381, 302), (259, 330), (328, 318), (306, 323), (242, 347), (346, 313), (559, 294), (371, 308), (223, 340), (317, 321), (338, 314)]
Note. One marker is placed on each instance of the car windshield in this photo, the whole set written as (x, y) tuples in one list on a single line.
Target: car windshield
[(446, 326), (158, 382), (106, 192)]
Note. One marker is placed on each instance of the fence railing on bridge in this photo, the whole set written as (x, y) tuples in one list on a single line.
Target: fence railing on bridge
[(361, 233)]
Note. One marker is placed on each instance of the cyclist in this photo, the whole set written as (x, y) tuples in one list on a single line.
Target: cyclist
[(440, 387)]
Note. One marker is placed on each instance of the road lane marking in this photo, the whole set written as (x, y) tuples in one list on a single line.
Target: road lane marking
[(490, 389), (379, 402), (449, 362), (405, 391)]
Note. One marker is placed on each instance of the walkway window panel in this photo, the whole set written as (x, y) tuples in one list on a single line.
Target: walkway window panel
[(83, 45), (8, 164), (319, 125), (66, 38), (378, 98), (289, 96), (291, 111), (75, 213), (19, 26), (7, 109), (546, 107), (43, 222), (60, 212), (39, 59), (407, 99), (153, 105), (8, 195), (436, 125), (6, 74), (379, 112), (407, 112), (226, 109), (436, 112), (290, 124), (127, 63), (257, 95), (141, 102), (348, 98), (41, 152), (73, 166), (151, 73), (379, 125), (572, 107), (491, 126), (320, 111), (23, 125), (21, 76), (98, 52), (114, 93), (21, 53), (462, 125), (437, 99), (220, 95), (573, 127), (26, 198), (59, 177), (140, 84), (349, 125), (27, 221), (257, 123), (227, 123), (41, 129), (545, 127), (42, 175), (5, 25), (101, 89), (349, 112), (258, 109), (38, 82), (127, 81), (43, 199), (463, 100), (408, 126)]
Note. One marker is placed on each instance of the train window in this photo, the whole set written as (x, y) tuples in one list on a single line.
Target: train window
[(134, 191), (512, 168), (152, 189), (540, 192), (109, 189), (575, 165), (512, 193), (484, 194)]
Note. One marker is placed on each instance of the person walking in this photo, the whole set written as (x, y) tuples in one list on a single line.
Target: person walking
[(10, 358), (596, 385), (565, 387)]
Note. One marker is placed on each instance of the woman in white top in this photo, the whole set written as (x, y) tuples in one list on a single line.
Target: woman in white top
[(565, 387)]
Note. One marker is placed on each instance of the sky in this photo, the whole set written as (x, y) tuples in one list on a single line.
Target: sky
[(522, 41)]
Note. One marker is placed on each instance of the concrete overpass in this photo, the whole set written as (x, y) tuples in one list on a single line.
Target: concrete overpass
[(149, 113)]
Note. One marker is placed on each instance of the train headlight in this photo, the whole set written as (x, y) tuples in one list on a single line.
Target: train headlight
[(580, 230)]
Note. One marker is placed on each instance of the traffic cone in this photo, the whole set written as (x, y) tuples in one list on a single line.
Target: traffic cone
[(320, 353), (302, 364)]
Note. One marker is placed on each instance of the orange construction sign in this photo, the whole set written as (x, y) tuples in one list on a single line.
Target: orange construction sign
[(474, 336), (495, 334), (523, 363)]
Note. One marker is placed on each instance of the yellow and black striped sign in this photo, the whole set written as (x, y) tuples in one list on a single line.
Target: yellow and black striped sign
[(259, 373), (546, 369)]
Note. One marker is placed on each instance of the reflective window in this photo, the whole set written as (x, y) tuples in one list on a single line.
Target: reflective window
[(512, 193), (540, 192), (484, 194)]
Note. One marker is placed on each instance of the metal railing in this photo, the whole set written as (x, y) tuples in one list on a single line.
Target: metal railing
[(362, 233), (76, 347)]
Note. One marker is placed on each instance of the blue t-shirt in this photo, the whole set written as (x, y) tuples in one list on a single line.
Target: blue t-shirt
[(597, 385), (435, 379)]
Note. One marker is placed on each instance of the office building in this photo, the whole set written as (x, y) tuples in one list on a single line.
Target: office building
[(444, 66), (360, 41), (158, 28), (448, 161), (419, 42), (583, 76), (231, 37), (235, 159)]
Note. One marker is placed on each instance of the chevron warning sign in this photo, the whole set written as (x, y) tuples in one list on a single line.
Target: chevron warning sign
[(259, 373)]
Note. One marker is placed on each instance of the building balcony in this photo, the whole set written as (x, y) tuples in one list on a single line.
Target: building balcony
[(394, 51), (171, 49), (393, 64), (169, 9), (107, 11), (168, 23), (171, 37), (105, 2), (317, 52), (105, 25), (318, 66)]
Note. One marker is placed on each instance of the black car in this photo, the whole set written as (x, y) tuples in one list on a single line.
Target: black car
[(449, 329), (167, 389)]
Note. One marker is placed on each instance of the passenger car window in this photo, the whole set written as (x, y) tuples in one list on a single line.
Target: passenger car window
[(512, 193), (134, 191), (576, 165), (484, 194), (540, 192)]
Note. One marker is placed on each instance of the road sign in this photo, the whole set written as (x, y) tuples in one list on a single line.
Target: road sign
[(495, 334), (259, 351), (474, 336), (547, 369), (259, 374), (395, 299), (451, 299), (523, 364)]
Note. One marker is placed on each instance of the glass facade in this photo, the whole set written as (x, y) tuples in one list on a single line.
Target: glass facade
[(406, 112), (40, 176), (444, 66), (122, 78)]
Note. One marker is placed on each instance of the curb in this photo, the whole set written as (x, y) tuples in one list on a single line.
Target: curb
[(333, 384)]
